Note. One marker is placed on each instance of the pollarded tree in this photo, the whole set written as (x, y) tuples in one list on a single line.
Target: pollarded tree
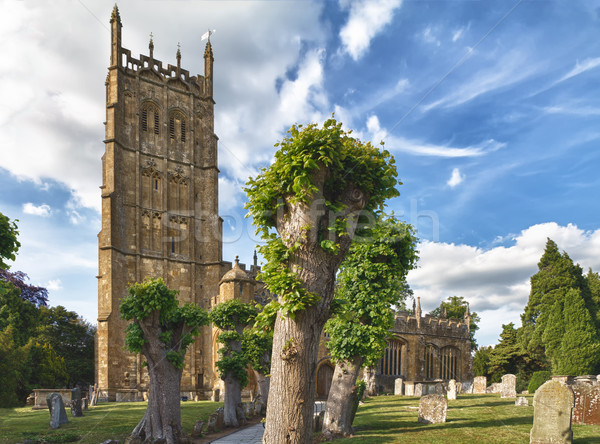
[(232, 317), (257, 346), (371, 280), (162, 331), (306, 206)]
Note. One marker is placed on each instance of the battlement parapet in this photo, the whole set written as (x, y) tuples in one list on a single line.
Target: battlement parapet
[(407, 322)]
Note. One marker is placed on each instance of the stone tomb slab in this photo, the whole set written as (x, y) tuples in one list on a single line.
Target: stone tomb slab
[(433, 409), (552, 407)]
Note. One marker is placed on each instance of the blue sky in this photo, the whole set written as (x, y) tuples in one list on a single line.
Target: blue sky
[(491, 109)]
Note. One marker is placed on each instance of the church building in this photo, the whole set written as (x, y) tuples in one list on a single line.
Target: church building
[(160, 218)]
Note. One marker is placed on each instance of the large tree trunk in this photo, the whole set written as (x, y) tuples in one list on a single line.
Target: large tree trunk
[(162, 420), (296, 341), (342, 400), (233, 398)]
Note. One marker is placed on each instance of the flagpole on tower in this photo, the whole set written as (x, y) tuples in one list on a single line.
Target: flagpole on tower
[(207, 34)]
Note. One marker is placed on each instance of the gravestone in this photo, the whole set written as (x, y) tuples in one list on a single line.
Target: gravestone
[(216, 395), (58, 415), (77, 408), (439, 389), (452, 390), (419, 390), (433, 409), (220, 424), (459, 388), (409, 388), (467, 387), (318, 417), (198, 426), (495, 387), (212, 423), (479, 384), (509, 386), (398, 387), (586, 409), (522, 401), (552, 407)]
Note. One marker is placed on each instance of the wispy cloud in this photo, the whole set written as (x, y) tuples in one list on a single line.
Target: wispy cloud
[(456, 178), (511, 68), (420, 148), (582, 67), (367, 18), (39, 210)]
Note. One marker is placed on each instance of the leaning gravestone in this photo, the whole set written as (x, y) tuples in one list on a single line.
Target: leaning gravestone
[(433, 409), (479, 384), (58, 415), (451, 390), (398, 386), (419, 390), (587, 404), (509, 386), (552, 407)]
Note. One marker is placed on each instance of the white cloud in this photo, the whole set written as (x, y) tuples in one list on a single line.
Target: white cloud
[(430, 37), (456, 178), (582, 67), (54, 284), (367, 18), (40, 210), (496, 281), (458, 34)]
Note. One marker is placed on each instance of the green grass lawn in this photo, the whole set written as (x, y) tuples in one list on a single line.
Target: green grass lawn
[(478, 419), (99, 423)]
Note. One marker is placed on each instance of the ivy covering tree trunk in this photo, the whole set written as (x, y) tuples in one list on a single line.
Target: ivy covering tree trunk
[(372, 280), (232, 317), (306, 206), (160, 330)]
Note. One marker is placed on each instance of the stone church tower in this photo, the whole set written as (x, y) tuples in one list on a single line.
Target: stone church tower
[(159, 205)]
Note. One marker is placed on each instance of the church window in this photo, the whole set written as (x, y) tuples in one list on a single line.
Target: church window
[(172, 127), (430, 353), (177, 127), (449, 360), (183, 130), (156, 184), (156, 123), (391, 362), (172, 244), (144, 120), (150, 118)]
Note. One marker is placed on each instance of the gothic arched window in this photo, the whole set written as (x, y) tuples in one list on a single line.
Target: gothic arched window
[(430, 358), (150, 118), (449, 363), (177, 126), (391, 362)]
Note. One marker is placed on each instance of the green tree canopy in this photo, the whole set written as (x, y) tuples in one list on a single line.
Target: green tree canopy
[(456, 307), (9, 245), (506, 355)]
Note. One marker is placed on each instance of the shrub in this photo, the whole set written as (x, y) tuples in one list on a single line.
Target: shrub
[(538, 379)]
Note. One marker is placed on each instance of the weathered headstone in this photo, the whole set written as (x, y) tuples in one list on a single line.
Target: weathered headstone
[(198, 427), (467, 387), (495, 387), (439, 389), (419, 389), (522, 401), (509, 386), (433, 409), (552, 407), (77, 408), (452, 390), (479, 384), (212, 423), (459, 388), (409, 388), (398, 386), (58, 415), (319, 417), (586, 409), (85, 403), (216, 395), (220, 425)]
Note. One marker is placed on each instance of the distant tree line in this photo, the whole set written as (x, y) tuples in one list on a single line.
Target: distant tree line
[(560, 327), (40, 346)]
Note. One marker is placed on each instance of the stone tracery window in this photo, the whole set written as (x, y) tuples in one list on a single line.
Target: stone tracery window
[(430, 361), (449, 363), (177, 126), (150, 118), (391, 362)]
